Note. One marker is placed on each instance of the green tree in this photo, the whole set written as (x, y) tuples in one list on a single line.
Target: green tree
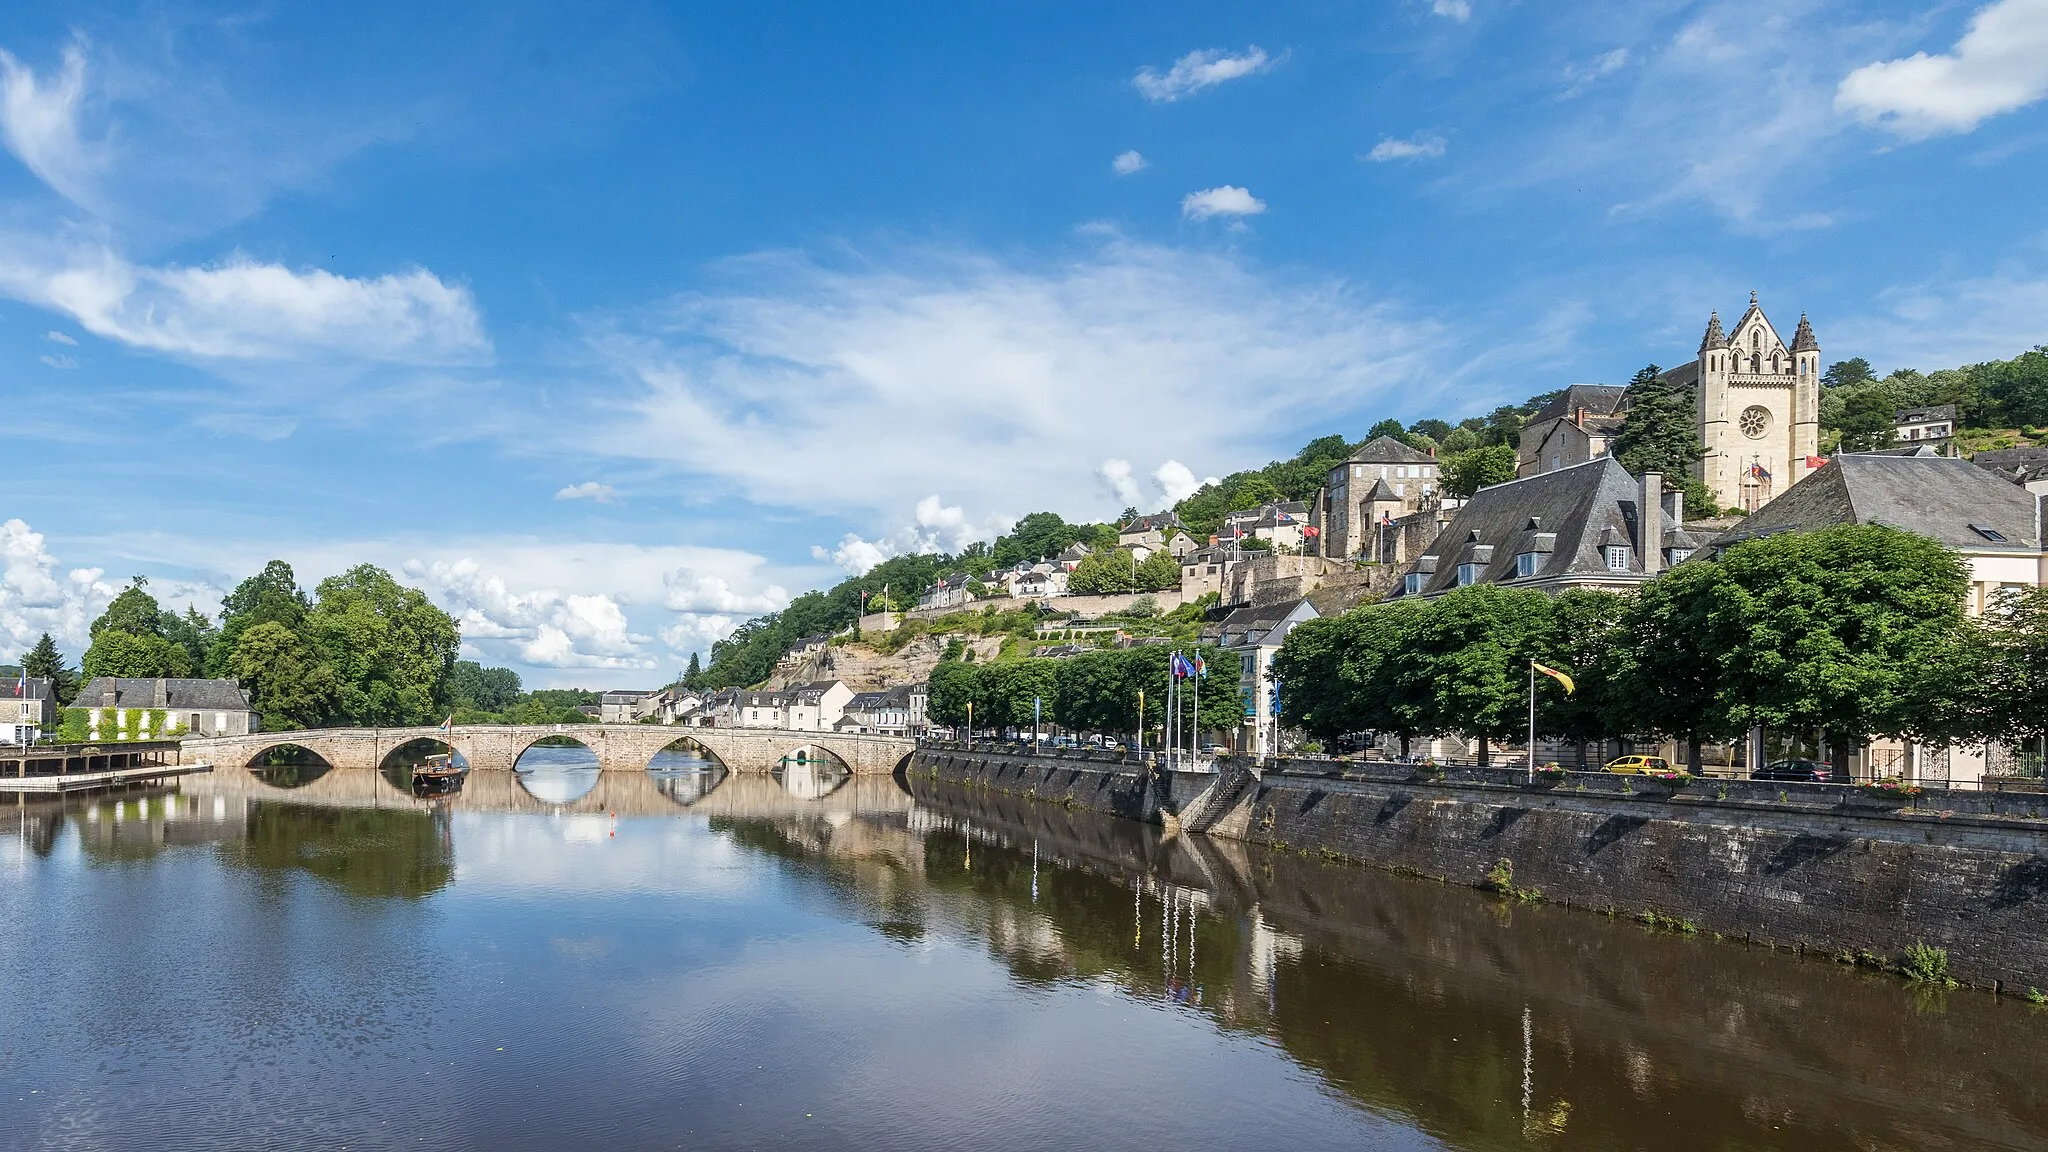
[(2012, 674), (1256, 490), (1661, 433), (1012, 685), (272, 595), (471, 685), (1868, 420), (1473, 646), (1102, 573), (1848, 373), (1663, 680), (390, 648), (694, 673), (1588, 633), (1390, 428), (1468, 472), (1039, 536), (193, 633), (118, 653), (952, 687), (1436, 430), (134, 611), (1829, 630), (1158, 572), (288, 683), (128, 639), (45, 661)]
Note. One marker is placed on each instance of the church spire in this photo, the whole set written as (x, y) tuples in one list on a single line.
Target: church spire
[(1715, 338), (1802, 340)]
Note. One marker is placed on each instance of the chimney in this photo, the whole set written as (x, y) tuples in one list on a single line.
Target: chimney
[(1650, 521), (1674, 507), (1579, 416)]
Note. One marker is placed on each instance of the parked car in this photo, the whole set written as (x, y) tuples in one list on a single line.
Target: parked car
[(1800, 771), (1637, 765)]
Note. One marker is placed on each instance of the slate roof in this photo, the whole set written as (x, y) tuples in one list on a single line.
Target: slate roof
[(2018, 465), (1268, 515), (1387, 450), (1596, 399), (1566, 516), (1075, 552), (1714, 338), (1936, 496), (1924, 415), (38, 688), (147, 692), (1252, 624), (1802, 340), (1157, 522)]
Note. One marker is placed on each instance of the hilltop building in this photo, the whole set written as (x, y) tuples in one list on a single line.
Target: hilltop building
[(1759, 407)]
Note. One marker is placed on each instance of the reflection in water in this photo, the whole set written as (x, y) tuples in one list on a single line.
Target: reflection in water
[(289, 766), (684, 775), (557, 770), (933, 971), (365, 852), (808, 779)]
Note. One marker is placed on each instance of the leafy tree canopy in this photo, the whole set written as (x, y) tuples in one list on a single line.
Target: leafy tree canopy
[(1468, 472)]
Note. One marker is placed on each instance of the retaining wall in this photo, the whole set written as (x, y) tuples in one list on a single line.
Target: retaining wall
[(1809, 867)]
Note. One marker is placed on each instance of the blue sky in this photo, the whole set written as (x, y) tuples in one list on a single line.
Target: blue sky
[(611, 325)]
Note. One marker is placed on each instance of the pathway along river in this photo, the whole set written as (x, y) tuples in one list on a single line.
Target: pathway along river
[(760, 966)]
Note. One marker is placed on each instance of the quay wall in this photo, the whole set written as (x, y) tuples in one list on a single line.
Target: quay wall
[(1805, 867)]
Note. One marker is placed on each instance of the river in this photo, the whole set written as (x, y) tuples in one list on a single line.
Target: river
[(708, 961)]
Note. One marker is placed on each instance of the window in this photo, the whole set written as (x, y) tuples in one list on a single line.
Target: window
[(1527, 563), (1357, 470), (1411, 584), (1989, 533), (1680, 555), (1617, 558), (1468, 574)]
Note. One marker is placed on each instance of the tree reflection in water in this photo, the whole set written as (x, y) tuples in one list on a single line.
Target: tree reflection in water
[(364, 851), (289, 766), (1485, 1025)]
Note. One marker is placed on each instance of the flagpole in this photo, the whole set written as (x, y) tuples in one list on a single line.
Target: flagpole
[(1532, 721), (1195, 737)]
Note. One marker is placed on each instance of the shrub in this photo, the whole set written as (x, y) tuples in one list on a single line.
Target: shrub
[(1925, 964)]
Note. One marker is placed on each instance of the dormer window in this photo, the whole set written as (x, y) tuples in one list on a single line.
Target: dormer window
[(1411, 584), (1617, 557), (1680, 555), (1526, 563), (1469, 574)]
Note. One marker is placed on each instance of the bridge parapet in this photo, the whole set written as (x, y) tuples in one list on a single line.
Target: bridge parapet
[(618, 747)]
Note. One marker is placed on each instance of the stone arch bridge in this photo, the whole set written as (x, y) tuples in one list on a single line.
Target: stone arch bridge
[(619, 747)]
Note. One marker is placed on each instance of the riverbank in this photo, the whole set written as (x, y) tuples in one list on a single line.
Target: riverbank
[(1808, 868)]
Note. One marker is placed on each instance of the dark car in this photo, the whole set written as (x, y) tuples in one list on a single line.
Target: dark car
[(1798, 771)]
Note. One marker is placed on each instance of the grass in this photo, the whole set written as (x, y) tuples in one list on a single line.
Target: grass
[(1925, 964), (1652, 918)]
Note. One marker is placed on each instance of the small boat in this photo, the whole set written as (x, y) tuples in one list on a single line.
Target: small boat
[(437, 775)]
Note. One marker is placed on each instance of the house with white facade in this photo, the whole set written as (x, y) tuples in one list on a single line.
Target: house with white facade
[(142, 708), (28, 708)]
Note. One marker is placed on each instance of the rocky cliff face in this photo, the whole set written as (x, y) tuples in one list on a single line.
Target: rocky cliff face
[(866, 670)]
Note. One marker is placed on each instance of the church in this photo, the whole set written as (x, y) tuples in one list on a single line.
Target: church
[(1759, 407)]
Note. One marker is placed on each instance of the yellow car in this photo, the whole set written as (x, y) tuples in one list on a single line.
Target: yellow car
[(1639, 765)]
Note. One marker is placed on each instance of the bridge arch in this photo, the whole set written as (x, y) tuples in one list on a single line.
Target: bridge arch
[(558, 767), (680, 754), (287, 764), (812, 772), (396, 765)]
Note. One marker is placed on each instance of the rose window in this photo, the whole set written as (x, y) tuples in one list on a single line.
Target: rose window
[(1755, 421)]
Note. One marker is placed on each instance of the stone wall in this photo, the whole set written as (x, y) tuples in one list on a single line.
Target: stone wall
[(1808, 867)]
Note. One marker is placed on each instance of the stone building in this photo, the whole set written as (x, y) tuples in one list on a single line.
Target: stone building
[(1759, 407), (1383, 481), (1574, 427), (28, 708), (139, 707)]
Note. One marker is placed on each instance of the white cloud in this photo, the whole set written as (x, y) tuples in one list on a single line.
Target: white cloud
[(60, 362), (588, 490), (1198, 70), (1027, 376), (692, 591), (240, 309), (1459, 10), (546, 627), (39, 122), (1227, 200), (60, 338), (1127, 163), (1116, 475), (36, 597), (1426, 145), (1177, 481), (1579, 77), (2000, 65), (935, 527), (698, 632)]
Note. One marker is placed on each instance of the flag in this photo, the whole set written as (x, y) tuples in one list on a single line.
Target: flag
[(1554, 674), (1386, 520), (1757, 469), (1310, 532), (1201, 668), (1815, 461)]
